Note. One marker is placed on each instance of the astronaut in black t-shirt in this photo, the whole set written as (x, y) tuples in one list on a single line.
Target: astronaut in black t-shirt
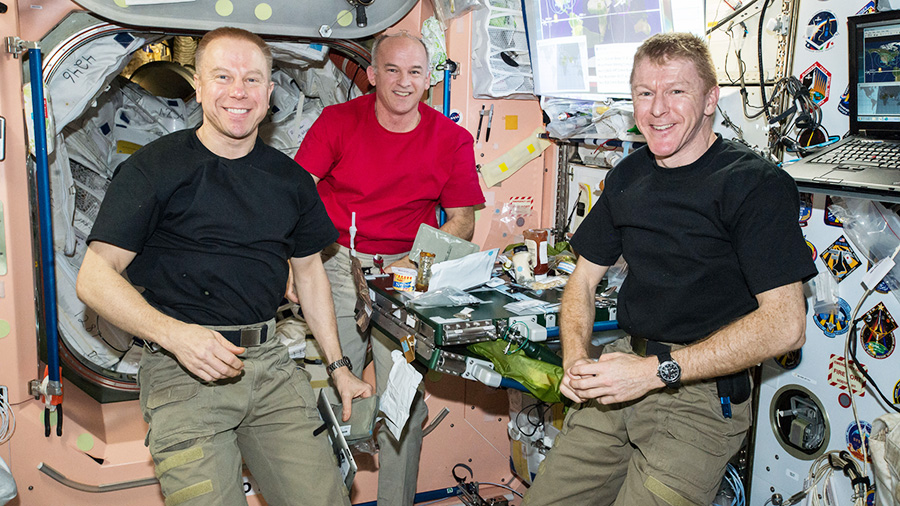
[(716, 262), (209, 222)]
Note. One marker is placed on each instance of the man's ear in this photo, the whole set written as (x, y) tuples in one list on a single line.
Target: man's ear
[(370, 73)]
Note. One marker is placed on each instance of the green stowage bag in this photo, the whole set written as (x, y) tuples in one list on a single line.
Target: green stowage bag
[(540, 378)]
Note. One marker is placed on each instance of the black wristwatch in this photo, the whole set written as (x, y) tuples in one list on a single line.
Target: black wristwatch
[(344, 361), (669, 371)]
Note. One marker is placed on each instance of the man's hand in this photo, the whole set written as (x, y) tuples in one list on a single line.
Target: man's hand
[(350, 387), (205, 353), (403, 262), (290, 293), (614, 377)]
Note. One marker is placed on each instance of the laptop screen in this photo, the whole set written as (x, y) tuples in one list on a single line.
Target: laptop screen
[(874, 49)]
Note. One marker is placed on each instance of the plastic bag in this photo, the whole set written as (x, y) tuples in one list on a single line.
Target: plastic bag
[(446, 10), (874, 230), (540, 378), (444, 297)]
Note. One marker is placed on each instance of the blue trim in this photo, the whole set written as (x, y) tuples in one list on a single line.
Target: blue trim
[(420, 497), (48, 264), (598, 327), (447, 90)]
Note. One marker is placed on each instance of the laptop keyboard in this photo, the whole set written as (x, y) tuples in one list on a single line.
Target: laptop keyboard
[(864, 152)]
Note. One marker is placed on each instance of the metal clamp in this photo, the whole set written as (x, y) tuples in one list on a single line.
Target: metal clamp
[(16, 46)]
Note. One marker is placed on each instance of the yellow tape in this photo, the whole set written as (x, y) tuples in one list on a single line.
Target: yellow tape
[(188, 493), (179, 459), (504, 167), (531, 149), (661, 490)]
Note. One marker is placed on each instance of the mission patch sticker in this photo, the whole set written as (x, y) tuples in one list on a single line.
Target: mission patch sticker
[(830, 219), (835, 324), (855, 442), (818, 80), (844, 103), (840, 259), (821, 31), (789, 360), (877, 335)]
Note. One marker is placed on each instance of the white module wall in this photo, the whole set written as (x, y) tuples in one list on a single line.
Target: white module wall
[(810, 389)]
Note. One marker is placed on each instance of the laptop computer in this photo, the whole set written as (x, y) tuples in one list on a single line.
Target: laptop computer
[(866, 163)]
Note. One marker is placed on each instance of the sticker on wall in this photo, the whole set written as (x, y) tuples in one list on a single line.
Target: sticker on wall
[(844, 400), (830, 219), (812, 249), (868, 8), (882, 286), (855, 442), (821, 31), (837, 376), (840, 259), (789, 360), (843, 106), (877, 336), (870, 497), (897, 392), (806, 207), (835, 324), (818, 80)]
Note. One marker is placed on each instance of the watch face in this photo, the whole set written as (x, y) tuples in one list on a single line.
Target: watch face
[(669, 371)]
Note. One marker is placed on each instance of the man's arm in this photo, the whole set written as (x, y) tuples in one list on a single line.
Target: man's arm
[(460, 222), (577, 320), (777, 326), (101, 286), (314, 293)]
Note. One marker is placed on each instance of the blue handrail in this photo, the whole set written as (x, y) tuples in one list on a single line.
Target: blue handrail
[(598, 327), (48, 263)]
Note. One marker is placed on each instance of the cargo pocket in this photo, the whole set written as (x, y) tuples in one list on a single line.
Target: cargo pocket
[(172, 417), (297, 382)]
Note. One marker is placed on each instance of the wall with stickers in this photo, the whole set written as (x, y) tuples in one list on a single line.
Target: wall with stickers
[(805, 406)]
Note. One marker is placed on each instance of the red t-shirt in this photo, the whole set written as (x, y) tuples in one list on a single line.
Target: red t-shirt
[(393, 181)]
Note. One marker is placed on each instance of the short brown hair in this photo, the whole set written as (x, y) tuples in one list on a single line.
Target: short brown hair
[(228, 32), (664, 47)]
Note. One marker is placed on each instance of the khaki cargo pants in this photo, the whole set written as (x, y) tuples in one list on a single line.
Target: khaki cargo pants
[(200, 431), (668, 448)]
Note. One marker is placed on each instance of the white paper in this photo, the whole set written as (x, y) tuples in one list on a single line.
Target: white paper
[(463, 273), (398, 396)]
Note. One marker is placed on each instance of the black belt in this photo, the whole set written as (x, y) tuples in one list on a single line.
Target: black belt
[(246, 335), (735, 386)]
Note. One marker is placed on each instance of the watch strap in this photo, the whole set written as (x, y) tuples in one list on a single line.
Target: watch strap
[(342, 362), (667, 357)]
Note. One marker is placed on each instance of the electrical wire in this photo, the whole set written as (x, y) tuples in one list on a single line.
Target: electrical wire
[(7, 421), (733, 478), (500, 485)]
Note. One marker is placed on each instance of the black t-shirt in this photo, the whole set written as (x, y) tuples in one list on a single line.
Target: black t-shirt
[(700, 240), (212, 235)]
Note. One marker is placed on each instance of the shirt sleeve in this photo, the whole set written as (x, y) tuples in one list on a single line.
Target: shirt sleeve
[(129, 212), (768, 240), (314, 230), (319, 151), (462, 188)]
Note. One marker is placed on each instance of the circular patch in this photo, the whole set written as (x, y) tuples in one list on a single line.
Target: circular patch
[(224, 8), (263, 11), (870, 497), (835, 324), (843, 106), (821, 31), (854, 442), (455, 115), (897, 393), (85, 442), (844, 400), (789, 360), (812, 249), (344, 18), (877, 345)]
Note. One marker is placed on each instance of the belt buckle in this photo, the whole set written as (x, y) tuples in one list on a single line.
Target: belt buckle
[(251, 337)]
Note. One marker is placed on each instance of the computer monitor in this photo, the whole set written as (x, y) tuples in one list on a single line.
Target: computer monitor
[(874, 98), (583, 49)]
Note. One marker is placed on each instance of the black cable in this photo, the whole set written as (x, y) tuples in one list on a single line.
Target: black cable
[(859, 367), (759, 48), (352, 80)]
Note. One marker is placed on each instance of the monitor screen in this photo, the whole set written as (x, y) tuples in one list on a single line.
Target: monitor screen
[(876, 68), (583, 49)]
